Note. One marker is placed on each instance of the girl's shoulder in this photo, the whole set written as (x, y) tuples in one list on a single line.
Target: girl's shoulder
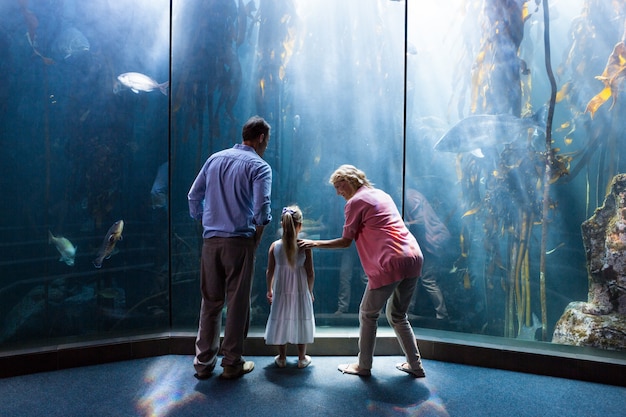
[(275, 244)]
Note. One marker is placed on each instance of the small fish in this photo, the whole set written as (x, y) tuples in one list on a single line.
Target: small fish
[(65, 248), (551, 251), (108, 244), (70, 42), (139, 82), (310, 228), (471, 211), (487, 130), (111, 292)]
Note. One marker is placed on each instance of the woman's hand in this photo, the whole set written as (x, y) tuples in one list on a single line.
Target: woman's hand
[(306, 243), (269, 296), (340, 242)]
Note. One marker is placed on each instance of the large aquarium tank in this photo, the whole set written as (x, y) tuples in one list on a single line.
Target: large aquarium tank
[(495, 125)]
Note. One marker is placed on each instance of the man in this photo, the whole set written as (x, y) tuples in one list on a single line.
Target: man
[(234, 185)]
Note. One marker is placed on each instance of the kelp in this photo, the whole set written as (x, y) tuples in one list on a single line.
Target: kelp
[(548, 171), (503, 190)]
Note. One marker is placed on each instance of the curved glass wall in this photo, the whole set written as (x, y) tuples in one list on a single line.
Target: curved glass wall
[(80, 153), (106, 122)]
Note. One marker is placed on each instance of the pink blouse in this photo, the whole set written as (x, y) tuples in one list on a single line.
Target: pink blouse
[(388, 251)]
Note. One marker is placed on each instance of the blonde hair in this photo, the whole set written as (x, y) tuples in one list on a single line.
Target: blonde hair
[(290, 218), (350, 173)]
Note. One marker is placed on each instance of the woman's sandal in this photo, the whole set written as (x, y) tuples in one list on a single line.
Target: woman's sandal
[(417, 373), (353, 369)]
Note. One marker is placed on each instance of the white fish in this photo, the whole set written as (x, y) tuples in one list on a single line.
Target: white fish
[(65, 248), (139, 82)]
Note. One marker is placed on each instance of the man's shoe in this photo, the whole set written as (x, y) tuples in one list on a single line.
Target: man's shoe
[(202, 375), (233, 372), (203, 371)]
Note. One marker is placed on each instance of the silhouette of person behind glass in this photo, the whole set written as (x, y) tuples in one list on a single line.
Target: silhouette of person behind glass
[(350, 267), (434, 239)]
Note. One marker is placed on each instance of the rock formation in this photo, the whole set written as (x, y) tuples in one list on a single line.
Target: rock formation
[(601, 321)]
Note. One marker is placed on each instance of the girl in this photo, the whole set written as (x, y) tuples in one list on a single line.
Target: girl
[(290, 278)]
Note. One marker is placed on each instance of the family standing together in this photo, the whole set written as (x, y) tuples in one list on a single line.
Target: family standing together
[(231, 197)]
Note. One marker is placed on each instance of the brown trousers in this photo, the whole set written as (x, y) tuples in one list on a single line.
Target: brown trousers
[(226, 273)]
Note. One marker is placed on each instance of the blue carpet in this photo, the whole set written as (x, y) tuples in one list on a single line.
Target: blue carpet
[(165, 386)]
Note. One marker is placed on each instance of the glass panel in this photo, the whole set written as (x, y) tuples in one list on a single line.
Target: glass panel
[(80, 153), (328, 77), (475, 184)]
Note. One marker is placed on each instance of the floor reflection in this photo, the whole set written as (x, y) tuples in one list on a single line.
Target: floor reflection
[(165, 389)]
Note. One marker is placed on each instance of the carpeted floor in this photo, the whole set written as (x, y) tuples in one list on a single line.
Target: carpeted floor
[(165, 386)]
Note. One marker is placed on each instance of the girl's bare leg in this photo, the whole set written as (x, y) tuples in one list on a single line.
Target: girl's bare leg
[(301, 351), (282, 351)]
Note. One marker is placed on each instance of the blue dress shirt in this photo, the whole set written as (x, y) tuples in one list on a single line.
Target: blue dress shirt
[(231, 193)]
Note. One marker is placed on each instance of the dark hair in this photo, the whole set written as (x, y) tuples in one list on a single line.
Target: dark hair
[(254, 127)]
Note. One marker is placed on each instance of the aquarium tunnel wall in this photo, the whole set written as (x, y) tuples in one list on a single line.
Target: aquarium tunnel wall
[(503, 156)]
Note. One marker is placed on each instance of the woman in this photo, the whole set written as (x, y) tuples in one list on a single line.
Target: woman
[(391, 259)]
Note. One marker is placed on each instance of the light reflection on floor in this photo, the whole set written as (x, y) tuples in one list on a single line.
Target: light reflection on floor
[(433, 407), (165, 389)]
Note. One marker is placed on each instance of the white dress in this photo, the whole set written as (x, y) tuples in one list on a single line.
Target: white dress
[(291, 318)]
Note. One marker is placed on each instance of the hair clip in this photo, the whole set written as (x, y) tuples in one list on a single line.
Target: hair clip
[(288, 210)]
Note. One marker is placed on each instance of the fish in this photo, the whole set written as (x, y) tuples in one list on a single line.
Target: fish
[(71, 42), (474, 133), (528, 332), (311, 229), (140, 82), (111, 292), (108, 244), (65, 248)]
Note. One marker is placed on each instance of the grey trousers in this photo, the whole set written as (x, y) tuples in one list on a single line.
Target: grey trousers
[(397, 297), (226, 272)]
